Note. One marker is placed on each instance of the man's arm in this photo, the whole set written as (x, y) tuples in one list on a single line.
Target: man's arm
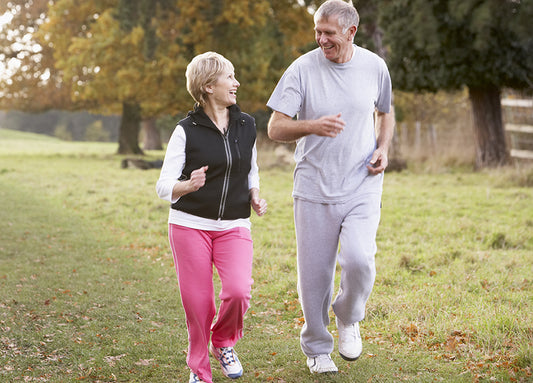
[(283, 128), (385, 127)]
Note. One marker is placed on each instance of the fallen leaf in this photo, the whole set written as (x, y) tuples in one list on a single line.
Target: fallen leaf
[(144, 362)]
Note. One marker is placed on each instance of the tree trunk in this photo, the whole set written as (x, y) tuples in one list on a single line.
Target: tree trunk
[(130, 125), (488, 127), (150, 134)]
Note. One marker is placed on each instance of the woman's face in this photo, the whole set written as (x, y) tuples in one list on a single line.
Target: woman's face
[(224, 91)]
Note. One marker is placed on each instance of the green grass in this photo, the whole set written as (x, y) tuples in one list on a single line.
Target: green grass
[(89, 292)]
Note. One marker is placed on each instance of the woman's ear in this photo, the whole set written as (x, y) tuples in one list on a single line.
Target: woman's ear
[(208, 89)]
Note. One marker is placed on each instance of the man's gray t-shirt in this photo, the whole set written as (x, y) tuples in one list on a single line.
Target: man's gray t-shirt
[(333, 170)]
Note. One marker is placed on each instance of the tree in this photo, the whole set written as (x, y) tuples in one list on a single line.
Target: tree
[(259, 37), (106, 50), (450, 44), (30, 82), (129, 56), (133, 13), (106, 45)]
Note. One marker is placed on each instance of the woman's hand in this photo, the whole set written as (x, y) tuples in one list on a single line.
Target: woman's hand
[(194, 183), (258, 204), (197, 179)]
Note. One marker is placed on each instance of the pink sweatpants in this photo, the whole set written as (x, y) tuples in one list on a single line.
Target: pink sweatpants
[(195, 252)]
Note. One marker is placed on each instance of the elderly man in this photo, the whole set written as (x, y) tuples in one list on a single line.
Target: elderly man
[(341, 94)]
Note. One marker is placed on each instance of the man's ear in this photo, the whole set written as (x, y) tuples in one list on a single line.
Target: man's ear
[(351, 32)]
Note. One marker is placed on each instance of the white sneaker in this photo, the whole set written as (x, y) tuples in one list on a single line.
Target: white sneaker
[(231, 366), (193, 378), (350, 344), (321, 364)]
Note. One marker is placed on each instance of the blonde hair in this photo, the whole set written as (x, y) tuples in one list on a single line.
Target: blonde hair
[(345, 11), (202, 71)]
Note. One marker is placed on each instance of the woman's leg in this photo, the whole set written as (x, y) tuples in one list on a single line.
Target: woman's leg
[(192, 252), (232, 256)]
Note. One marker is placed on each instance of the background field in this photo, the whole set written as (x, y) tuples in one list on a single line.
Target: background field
[(89, 293)]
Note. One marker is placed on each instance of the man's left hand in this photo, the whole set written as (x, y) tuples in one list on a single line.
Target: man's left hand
[(379, 162)]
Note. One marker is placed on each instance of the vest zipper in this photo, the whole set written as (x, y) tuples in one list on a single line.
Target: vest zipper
[(225, 186), (238, 154)]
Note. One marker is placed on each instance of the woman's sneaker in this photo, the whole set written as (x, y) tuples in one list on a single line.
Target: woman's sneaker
[(193, 378), (321, 364), (231, 367)]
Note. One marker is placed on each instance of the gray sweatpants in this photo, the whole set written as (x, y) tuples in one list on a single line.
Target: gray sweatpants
[(325, 234)]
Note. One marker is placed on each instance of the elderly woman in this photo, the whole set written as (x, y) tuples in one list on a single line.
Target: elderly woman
[(210, 177)]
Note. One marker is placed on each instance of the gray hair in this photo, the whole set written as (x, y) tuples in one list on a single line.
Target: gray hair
[(345, 11)]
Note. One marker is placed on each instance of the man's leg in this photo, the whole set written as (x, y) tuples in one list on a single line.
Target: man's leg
[(356, 258), (317, 236)]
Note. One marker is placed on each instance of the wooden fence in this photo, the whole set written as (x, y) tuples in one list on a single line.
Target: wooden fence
[(519, 126)]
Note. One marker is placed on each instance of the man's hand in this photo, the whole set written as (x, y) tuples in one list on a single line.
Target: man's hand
[(329, 126), (283, 128), (378, 162), (385, 126)]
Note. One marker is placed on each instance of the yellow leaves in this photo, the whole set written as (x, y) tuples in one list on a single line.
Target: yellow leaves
[(135, 37), (104, 65), (200, 34), (245, 13), (455, 339), (295, 24), (411, 330)]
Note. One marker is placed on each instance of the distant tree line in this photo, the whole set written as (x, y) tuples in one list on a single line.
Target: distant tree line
[(70, 126), (484, 46), (128, 57)]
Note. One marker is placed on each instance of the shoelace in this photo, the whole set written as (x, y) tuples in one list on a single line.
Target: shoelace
[(226, 353), (197, 379), (352, 331)]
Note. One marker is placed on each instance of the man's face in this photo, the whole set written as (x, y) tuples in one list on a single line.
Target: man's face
[(335, 45)]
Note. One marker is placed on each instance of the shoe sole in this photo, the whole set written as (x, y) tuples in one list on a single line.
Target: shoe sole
[(349, 359), (324, 373), (233, 376)]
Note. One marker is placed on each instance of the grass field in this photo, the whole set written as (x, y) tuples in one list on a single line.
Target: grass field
[(89, 292)]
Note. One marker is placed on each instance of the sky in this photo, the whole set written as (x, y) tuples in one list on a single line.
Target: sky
[(25, 42), (4, 19)]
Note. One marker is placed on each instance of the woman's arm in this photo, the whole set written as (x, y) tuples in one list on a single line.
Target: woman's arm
[(173, 165), (259, 205)]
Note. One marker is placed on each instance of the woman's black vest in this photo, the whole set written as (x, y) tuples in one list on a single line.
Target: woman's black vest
[(225, 194)]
